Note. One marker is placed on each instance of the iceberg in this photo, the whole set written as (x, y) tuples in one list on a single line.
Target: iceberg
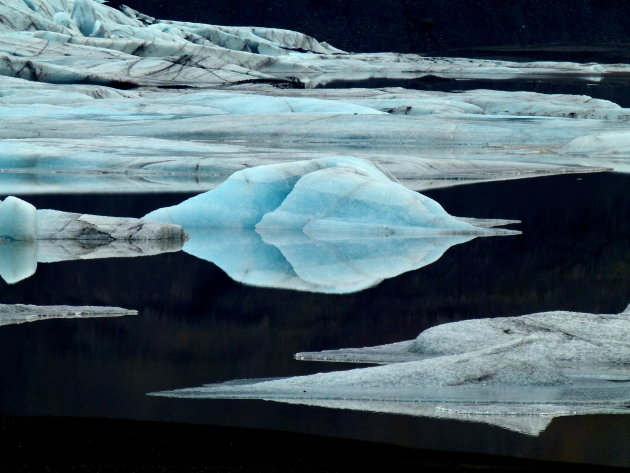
[(572, 339), (11, 314), (546, 364), (339, 194), (29, 236), (20, 221), (332, 225)]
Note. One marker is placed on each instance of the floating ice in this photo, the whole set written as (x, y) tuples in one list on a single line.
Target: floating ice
[(29, 236), (571, 339), (334, 225), (11, 314), (547, 364), (18, 220), (340, 194)]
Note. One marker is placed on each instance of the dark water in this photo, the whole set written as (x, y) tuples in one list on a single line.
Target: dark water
[(197, 326), (615, 88)]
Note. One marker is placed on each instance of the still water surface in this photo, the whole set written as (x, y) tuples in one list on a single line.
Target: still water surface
[(197, 326)]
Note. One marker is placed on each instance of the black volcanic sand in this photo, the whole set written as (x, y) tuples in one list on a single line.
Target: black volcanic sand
[(61, 444)]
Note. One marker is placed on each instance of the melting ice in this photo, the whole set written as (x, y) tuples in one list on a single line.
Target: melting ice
[(20, 313), (333, 225), (547, 364), (29, 236)]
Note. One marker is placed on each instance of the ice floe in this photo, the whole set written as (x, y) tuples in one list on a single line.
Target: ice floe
[(572, 339), (11, 314), (546, 364), (21, 221), (29, 236)]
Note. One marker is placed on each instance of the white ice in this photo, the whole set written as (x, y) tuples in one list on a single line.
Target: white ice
[(62, 120), (572, 339), (21, 221), (11, 314), (18, 220), (547, 364), (85, 40)]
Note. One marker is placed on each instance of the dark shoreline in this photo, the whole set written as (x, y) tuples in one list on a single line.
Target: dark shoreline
[(56, 444)]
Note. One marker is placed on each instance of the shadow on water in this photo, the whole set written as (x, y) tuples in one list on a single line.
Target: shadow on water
[(198, 326)]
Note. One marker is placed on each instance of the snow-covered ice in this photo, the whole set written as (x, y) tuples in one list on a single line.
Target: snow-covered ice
[(11, 314)]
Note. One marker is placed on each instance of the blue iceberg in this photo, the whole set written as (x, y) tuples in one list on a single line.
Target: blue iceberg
[(337, 194)]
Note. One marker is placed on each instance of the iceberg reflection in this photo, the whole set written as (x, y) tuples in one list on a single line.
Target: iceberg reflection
[(333, 263), (19, 259)]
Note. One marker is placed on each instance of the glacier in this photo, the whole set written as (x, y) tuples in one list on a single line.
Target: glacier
[(11, 314), (487, 370), (94, 99), (97, 99)]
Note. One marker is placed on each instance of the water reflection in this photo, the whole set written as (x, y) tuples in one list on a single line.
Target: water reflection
[(333, 263), (18, 259)]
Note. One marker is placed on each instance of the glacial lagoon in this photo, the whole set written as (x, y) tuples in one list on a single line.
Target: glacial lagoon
[(113, 113), (196, 326)]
